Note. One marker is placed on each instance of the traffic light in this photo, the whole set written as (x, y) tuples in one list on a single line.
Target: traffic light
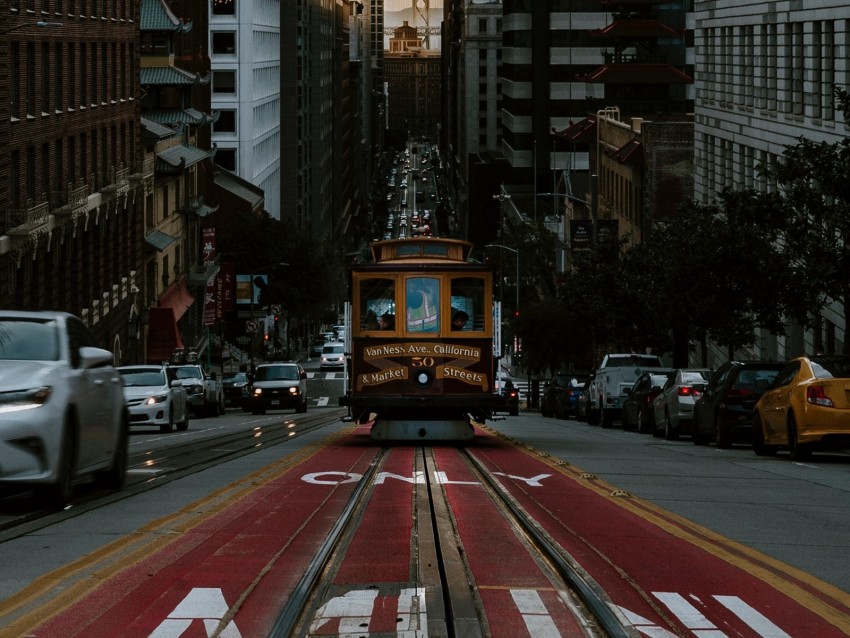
[(516, 314)]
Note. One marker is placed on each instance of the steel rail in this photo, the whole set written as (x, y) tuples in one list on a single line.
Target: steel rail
[(588, 592), (287, 620)]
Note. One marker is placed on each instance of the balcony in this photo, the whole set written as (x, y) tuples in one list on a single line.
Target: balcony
[(30, 220), (73, 201)]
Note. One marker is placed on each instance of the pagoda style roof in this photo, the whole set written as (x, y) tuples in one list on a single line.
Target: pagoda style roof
[(635, 29), (636, 73), (169, 76), (177, 158), (173, 117), (156, 15), (578, 132), (630, 153)]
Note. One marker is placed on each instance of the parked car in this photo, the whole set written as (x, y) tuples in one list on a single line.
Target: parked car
[(616, 374), (807, 408), (62, 409), (511, 398), (333, 355), (673, 408), (560, 395), (278, 386), (637, 406), (724, 411), (236, 389), (153, 399), (203, 389)]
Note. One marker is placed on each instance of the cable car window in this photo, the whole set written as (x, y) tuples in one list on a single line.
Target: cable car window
[(423, 304), (377, 299), (467, 296)]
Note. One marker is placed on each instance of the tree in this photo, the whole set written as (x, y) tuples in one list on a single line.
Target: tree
[(814, 181)]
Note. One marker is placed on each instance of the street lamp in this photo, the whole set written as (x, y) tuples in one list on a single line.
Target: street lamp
[(40, 23), (516, 254)]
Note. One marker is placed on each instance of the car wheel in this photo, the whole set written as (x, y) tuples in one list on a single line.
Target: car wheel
[(183, 425), (593, 417), (642, 425), (544, 409), (115, 477), (798, 451), (59, 494), (211, 409), (302, 407), (513, 412), (759, 446), (167, 427), (722, 437), (670, 434)]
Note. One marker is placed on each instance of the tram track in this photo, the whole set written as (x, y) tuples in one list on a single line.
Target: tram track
[(440, 567), (20, 514)]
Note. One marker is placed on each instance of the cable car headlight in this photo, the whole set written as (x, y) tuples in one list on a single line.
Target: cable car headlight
[(424, 378)]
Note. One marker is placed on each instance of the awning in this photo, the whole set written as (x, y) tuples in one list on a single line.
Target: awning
[(160, 240), (163, 336), (177, 297)]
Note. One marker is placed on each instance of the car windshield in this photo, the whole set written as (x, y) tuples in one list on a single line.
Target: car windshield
[(142, 377), (277, 373), (692, 377), (241, 377), (29, 340), (189, 372), (635, 360), (333, 350)]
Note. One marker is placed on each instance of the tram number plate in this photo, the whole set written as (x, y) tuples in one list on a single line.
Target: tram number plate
[(275, 402)]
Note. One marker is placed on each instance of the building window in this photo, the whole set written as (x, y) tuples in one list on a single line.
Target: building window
[(226, 122), (60, 79), (226, 158), (14, 78), (224, 42), (30, 78), (224, 82), (224, 7), (482, 26)]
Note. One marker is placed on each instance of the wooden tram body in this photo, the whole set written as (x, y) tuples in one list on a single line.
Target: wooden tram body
[(413, 373)]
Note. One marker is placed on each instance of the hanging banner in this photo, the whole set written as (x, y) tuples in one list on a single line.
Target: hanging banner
[(212, 312)]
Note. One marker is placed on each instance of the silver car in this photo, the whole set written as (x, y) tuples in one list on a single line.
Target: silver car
[(153, 400), (673, 408), (62, 409)]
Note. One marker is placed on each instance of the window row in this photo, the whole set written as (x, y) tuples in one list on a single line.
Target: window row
[(114, 9), (51, 169), (427, 304), (51, 77)]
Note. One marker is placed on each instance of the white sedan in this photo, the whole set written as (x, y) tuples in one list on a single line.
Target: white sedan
[(153, 400), (673, 408), (62, 409)]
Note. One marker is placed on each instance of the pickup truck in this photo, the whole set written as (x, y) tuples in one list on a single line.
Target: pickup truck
[(204, 390), (612, 378)]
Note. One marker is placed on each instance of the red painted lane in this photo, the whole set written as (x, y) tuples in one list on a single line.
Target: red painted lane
[(671, 572), (259, 545), (517, 596)]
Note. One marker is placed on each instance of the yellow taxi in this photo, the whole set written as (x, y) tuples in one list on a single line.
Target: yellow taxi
[(806, 408)]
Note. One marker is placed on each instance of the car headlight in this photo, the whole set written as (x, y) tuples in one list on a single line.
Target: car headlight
[(157, 398), (28, 399), (295, 390), (258, 391)]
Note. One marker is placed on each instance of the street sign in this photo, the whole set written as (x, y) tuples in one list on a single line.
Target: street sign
[(250, 326), (276, 308)]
